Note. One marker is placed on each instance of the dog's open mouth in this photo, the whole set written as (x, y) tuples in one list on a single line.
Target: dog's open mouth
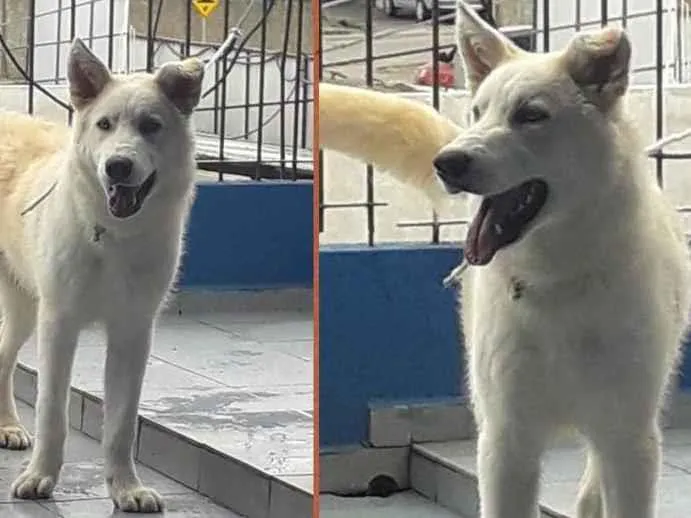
[(126, 200), (502, 219)]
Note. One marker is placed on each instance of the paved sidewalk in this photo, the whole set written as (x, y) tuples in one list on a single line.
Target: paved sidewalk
[(81, 491)]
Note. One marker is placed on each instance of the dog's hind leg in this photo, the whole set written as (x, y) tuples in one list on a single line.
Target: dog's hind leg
[(18, 321), (589, 501), (509, 470)]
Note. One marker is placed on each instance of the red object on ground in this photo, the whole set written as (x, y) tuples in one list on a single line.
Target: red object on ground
[(425, 76)]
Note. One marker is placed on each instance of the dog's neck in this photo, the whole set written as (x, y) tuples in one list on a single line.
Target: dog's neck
[(575, 246)]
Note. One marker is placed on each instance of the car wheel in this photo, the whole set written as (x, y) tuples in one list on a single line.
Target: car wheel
[(390, 8), (421, 11)]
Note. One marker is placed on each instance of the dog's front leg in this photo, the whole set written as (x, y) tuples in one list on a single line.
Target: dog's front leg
[(129, 343), (508, 471), (58, 332)]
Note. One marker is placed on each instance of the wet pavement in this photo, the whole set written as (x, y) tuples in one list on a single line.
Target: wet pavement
[(236, 382), (81, 491)]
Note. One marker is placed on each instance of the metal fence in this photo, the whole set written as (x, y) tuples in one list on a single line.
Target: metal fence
[(549, 24), (255, 116)]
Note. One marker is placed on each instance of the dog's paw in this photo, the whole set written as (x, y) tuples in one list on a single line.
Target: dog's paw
[(14, 437), (137, 499), (33, 484)]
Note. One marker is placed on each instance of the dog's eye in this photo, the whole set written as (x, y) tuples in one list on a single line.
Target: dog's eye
[(530, 114), (104, 124), (149, 126)]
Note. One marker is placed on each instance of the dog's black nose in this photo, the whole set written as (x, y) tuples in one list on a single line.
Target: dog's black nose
[(451, 166), (119, 168)]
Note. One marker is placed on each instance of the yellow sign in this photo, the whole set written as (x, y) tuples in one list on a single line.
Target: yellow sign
[(205, 7)]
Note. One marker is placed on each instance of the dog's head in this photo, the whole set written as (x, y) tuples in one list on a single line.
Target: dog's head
[(133, 131), (542, 127)]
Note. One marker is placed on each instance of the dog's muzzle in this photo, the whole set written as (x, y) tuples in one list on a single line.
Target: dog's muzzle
[(126, 200), (502, 218)]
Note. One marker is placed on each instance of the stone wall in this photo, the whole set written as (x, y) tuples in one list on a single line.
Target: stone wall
[(174, 12), (513, 12), (14, 19)]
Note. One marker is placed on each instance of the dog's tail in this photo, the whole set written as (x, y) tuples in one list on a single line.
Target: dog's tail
[(394, 134)]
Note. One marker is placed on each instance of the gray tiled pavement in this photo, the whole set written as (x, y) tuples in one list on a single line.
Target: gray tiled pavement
[(239, 382), (562, 468), (403, 505), (81, 492)]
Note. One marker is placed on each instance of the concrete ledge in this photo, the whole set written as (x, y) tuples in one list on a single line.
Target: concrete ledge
[(209, 301), (226, 480), (349, 471)]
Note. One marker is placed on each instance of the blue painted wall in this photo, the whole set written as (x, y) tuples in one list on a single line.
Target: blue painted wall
[(249, 235), (388, 332)]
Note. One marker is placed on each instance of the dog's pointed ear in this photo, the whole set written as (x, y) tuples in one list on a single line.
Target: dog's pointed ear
[(181, 82), (482, 47), (86, 74), (599, 63)]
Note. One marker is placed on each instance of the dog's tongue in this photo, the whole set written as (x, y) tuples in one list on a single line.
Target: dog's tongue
[(122, 200), (501, 220), (482, 242)]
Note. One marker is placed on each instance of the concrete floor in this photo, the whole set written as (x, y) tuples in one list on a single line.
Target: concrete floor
[(81, 491), (402, 505), (238, 382)]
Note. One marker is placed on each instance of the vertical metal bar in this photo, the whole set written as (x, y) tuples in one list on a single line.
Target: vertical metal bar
[(369, 77), (217, 78), (282, 85), (298, 90), (150, 37), (73, 19), (259, 130), (320, 70), (248, 74), (659, 104), (224, 115), (435, 54), (188, 28), (577, 24), (222, 66), (111, 30), (31, 41), (92, 17), (624, 13), (678, 64), (305, 98), (262, 77), (604, 13), (435, 92), (59, 42), (73, 31), (545, 25)]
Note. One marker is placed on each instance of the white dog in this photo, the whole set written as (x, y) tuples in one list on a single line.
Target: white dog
[(577, 298), (91, 226)]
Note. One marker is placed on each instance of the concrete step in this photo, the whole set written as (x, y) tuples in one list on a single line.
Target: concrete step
[(445, 474), (400, 505)]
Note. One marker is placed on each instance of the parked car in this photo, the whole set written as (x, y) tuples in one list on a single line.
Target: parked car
[(421, 8)]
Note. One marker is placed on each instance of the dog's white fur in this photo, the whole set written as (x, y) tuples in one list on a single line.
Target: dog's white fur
[(68, 262), (592, 342)]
